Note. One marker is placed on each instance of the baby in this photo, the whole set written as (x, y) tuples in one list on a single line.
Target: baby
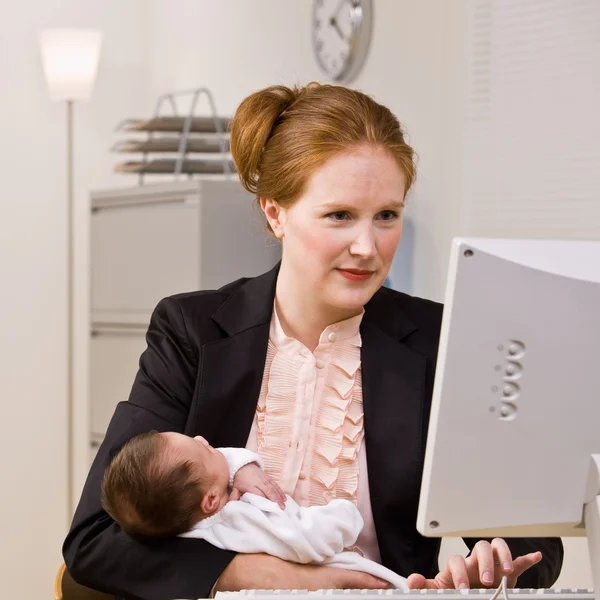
[(161, 484), (168, 484)]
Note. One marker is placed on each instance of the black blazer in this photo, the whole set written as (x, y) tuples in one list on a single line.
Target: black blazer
[(201, 374)]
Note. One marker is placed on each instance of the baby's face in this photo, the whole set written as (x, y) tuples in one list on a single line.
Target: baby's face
[(211, 463)]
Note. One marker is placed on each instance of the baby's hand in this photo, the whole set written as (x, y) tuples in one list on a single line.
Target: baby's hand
[(251, 478)]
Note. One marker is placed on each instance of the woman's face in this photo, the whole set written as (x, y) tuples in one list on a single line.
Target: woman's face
[(339, 238)]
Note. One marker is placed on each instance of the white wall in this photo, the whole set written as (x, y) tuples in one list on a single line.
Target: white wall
[(532, 145), (33, 506)]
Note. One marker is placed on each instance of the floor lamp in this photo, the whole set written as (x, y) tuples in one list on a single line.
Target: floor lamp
[(70, 62)]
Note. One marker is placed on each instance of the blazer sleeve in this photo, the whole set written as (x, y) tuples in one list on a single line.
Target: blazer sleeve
[(546, 572), (96, 551)]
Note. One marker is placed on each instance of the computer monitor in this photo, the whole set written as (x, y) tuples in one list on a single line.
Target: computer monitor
[(514, 437)]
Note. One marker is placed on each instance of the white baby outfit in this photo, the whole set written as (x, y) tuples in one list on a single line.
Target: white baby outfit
[(300, 534)]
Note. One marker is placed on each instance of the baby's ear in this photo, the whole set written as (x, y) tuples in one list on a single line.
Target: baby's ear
[(209, 503)]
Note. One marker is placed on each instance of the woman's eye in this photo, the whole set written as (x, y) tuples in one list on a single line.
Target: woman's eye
[(339, 215), (388, 215)]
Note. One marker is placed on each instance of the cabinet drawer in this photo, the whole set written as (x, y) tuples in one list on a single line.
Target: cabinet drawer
[(140, 254), (114, 359)]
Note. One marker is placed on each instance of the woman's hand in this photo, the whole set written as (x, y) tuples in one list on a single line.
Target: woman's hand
[(261, 571), (485, 567), (251, 478)]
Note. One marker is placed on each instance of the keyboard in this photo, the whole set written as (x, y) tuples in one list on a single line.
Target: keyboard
[(476, 594)]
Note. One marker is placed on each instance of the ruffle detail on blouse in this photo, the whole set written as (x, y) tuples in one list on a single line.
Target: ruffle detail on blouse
[(339, 428), (275, 410)]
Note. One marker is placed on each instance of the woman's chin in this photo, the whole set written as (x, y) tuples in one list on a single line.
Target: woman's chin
[(350, 300)]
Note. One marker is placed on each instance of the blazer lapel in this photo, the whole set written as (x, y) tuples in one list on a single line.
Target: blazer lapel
[(394, 378), (231, 369)]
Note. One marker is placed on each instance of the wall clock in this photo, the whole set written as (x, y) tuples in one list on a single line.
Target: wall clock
[(341, 34)]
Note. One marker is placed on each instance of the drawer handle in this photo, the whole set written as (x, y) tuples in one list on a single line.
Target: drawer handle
[(129, 203), (116, 330)]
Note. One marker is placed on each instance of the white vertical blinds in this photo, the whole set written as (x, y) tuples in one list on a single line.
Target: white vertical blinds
[(533, 125)]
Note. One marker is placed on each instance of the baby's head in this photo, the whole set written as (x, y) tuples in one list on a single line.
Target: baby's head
[(162, 484)]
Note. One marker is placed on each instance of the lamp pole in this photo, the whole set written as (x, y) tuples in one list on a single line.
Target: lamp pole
[(70, 319), (70, 61)]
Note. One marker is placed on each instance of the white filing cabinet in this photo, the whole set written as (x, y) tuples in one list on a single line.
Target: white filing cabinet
[(152, 241)]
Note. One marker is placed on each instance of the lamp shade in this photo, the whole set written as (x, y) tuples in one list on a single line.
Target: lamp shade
[(70, 61)]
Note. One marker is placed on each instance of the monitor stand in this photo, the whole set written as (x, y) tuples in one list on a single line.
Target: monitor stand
[(591, 519)]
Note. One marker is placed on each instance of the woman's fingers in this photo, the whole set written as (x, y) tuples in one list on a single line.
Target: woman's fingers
[(485, 559), (503, 560), (416, 581), (522, 563), (459, 573), (454, 574), (483, 556)]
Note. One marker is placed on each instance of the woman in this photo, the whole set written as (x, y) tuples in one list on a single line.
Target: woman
[(324, 372)]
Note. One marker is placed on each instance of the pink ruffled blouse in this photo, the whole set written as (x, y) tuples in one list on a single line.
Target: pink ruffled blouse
[(308, 427)]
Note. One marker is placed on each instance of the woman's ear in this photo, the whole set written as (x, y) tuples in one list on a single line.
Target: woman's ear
[(210, 502), (275, 215)]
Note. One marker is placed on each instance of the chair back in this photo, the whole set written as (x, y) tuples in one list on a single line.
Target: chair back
[(65, 588)]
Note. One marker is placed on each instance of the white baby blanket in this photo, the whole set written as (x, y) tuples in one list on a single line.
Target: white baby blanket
[(315, 534)]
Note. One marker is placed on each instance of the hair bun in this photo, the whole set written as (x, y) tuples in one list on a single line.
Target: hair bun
[(251, 127)]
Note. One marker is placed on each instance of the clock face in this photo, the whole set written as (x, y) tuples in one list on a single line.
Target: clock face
[(341, 31)]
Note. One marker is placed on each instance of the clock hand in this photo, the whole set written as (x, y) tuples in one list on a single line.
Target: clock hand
[(336, 12), (335, 25)]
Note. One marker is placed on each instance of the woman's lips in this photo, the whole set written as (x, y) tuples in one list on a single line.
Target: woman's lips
[(356, 274)]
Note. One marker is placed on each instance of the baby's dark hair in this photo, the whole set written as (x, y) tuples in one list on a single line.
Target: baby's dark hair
[(149, 492)]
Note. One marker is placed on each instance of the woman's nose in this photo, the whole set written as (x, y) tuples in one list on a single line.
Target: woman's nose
[(363, 244)]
